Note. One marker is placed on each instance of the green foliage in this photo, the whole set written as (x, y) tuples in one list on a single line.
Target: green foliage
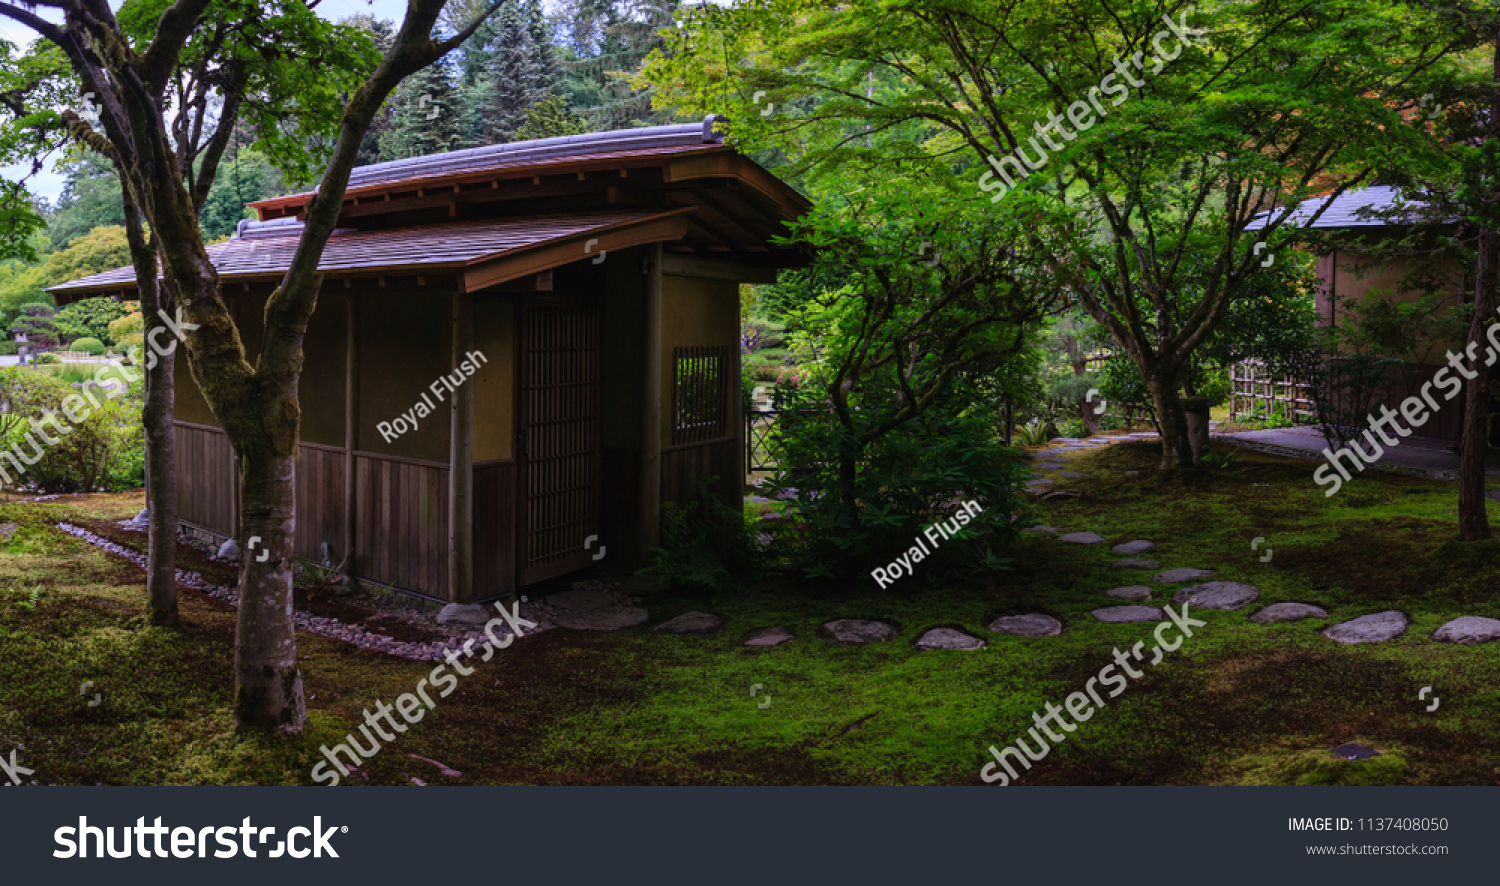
[(101, 249), (87, 346), (702, 543), (244, 176), (903, 482), (550, 117), (35, 322), (41, 359), (1034, 433), (19, 285), (95, 452), (90, 318), (9, 348), (426, 116), (130, 325), (90, 199)]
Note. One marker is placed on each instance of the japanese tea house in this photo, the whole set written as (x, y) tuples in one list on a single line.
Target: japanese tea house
[(597, 275)]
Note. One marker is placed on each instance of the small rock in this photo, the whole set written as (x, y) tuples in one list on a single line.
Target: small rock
[(1050, 530), (691, 623), (1353, 751), (1032, 624), (1220, 595), (1131, 548), (141, 520), (1072, 474), (858, 631), (948, 638), (1280, 613), (463, 614), (1082, 538), (229, 550), (1133, 592), (1127, 614), (1133, 563), (610, 618), (1375, 628), (770, 637), (1469, 630), (1173, 576), (7, 530)]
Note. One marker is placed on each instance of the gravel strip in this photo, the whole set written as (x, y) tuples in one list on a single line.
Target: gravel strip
[(322, 625)]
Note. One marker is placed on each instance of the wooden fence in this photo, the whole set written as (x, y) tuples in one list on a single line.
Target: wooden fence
[(1254, 391)]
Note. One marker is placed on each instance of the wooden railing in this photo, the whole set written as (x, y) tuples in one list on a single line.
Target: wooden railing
[(1253, 391)]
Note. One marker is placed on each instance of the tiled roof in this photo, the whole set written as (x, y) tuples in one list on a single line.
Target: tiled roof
[(616, 144), (461, 244), (1349, 210)]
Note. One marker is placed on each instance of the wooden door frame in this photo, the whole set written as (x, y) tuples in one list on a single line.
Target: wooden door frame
[(525, 303)]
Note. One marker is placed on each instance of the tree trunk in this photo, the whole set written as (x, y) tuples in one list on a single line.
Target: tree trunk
[(268, 685), (1176, 450), (1473, 521), (161, 437), (161, 486)]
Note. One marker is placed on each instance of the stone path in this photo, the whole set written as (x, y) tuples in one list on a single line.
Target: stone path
[(1131, 548), (948, 638), (1468, 630), (1128, 614), (857, 631), (1132, 563), (1030, 625), (1176, 576), (1375, 628), (1221, 595), (1280, 613)]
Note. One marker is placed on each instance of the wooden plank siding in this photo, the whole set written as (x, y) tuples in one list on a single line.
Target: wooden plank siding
[(402, 536), (205, 478), (320, 501)]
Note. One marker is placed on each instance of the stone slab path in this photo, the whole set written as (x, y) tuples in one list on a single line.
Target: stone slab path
[(858, 631), (1131, 592), (1468, 630), (1030, 625), (1116, 615), (1280, 613), (1375, 628), (1175, 576), (948, 638), (770, 637), (1221, 595)]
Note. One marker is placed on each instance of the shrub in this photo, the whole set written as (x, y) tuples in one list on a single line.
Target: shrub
[(47, 358), (702, 543), (102, 451), (87, 346), (909, 479), (9, 348)]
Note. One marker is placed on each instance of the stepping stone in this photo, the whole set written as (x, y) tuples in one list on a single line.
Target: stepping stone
[(463, 614), (771, 516), (1050, 530), (1173, 576), (691, 623), (770, 637), (1116, 615), (1040, 481), (1221, 595), (1130, 473), (948, 638), (1353, 751), (1072, 474), (1063, 440), (858, 631), (1280, 613), (1133, 563), (1033, 624), (610, 618), (1376, 628), (1133, 592), (1081, 538), (1131, 548), (1050, 466), (757, 499), (1469, 630)]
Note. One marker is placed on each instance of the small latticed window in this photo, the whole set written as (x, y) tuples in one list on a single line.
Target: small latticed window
[(699, 394)]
